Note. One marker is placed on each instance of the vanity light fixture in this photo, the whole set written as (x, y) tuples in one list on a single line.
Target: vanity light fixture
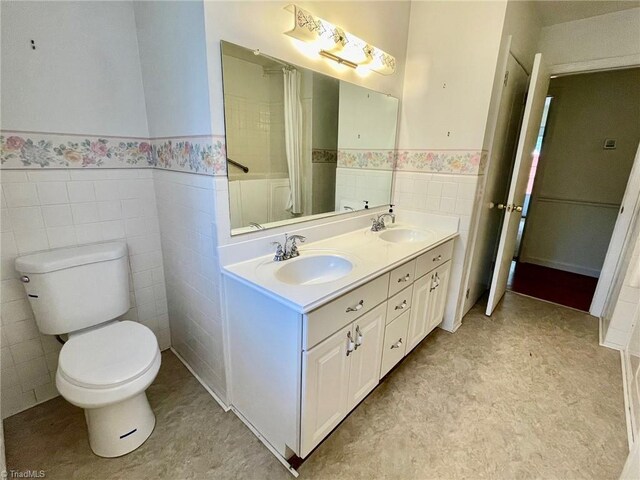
[(336, 44)]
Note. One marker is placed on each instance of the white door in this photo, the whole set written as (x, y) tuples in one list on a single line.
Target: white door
[(419, 310), (364, 372), (325, 388), (534, 106)]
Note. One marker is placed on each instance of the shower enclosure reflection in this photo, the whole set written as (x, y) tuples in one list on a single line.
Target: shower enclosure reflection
[(301, 143)]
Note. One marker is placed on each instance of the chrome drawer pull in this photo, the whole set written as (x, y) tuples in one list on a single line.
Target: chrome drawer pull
[(402, 306), (438, 258), (357, 307), (397, 344), (350, 344), (406, 278)]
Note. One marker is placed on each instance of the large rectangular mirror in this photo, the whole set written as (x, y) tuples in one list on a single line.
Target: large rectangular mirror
[(301, 144)]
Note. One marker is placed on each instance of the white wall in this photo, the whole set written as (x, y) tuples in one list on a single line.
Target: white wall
[(177, 94), (610, 36), (60, 208), (579, 185), (87, 54), (452, 52), (449, 79)]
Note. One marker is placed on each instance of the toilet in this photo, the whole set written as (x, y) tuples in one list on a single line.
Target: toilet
[(106, 365)]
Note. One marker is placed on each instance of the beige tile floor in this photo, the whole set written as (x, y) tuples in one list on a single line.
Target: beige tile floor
[(527, 393)]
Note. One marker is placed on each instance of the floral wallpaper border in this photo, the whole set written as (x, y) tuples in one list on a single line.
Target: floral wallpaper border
[(205, 155), (465, 162), (202, 155), (370, 159), (322, 155)]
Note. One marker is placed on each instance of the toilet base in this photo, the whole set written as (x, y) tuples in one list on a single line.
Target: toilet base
[(120, 428)]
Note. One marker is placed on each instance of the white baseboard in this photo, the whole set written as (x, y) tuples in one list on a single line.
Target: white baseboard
[(224, 406), (627, 401), (567, 267)]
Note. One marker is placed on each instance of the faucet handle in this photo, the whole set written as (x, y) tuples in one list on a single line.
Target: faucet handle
[(279, 255), (293, 252)]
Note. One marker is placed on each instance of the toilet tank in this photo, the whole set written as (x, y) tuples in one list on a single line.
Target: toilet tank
[(74, 288)]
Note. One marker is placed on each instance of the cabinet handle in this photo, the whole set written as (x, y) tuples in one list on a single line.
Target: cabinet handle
[(438, 258), (357, 307), (406, 278), (359, 338), (350, 344), (402, 306), (397, 344), (434, 279)]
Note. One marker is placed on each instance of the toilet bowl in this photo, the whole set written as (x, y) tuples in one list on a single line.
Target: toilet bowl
[(106, 365), (106, 371)]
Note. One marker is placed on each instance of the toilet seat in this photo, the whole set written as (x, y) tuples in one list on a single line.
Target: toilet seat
[(108, 356), (108, 364)]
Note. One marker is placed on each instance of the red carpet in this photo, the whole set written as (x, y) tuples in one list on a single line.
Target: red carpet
[(557, 286)]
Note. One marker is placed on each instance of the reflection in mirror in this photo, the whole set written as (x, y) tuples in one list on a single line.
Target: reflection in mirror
[(300, 143)]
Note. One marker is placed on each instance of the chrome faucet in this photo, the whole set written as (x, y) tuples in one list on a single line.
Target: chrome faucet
[(378, 223), (290, 249)]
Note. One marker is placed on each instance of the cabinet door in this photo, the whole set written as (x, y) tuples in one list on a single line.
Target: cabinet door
[(364, 372), (438, 295), (325, 388), (418, 321)]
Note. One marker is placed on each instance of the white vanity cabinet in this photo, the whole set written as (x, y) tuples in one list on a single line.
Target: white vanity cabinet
[(293, 377), (427, 304), (338, 373)]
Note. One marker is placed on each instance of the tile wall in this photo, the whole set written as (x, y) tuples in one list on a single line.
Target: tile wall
[(446, 194), (186, 205), (44, 209)]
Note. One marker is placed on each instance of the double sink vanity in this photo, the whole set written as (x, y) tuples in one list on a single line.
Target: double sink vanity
[(310, 337)]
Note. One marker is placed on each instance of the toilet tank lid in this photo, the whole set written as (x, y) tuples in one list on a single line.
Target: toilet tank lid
[(62, 258)]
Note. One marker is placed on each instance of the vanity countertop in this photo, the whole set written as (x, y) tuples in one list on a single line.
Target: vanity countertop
[(370, 255)]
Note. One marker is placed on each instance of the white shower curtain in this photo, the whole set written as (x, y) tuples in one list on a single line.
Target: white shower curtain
[(293, 137)]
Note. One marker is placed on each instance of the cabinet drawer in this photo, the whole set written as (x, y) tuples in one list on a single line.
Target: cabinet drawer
[(395, 343), (433, 258), (402, 277), (322, 322), (399, 303)]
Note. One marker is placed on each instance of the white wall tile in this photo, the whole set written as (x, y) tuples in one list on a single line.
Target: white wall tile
[(24, 218), (81, 192), (62, 236), (48, 176), (85, 213), (51, 193), (20, 194), (29, 241), (57, 215)]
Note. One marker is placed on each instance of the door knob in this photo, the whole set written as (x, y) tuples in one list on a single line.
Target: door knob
[(501, 206), (517, 208)]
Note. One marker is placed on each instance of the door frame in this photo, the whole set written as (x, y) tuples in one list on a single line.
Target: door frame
[(615, 251), (611, 271)]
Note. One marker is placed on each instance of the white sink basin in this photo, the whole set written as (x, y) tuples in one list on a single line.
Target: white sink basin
[(313, 269), (403, 235)]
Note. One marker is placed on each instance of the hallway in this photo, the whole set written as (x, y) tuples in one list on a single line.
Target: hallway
[(527, 393)]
